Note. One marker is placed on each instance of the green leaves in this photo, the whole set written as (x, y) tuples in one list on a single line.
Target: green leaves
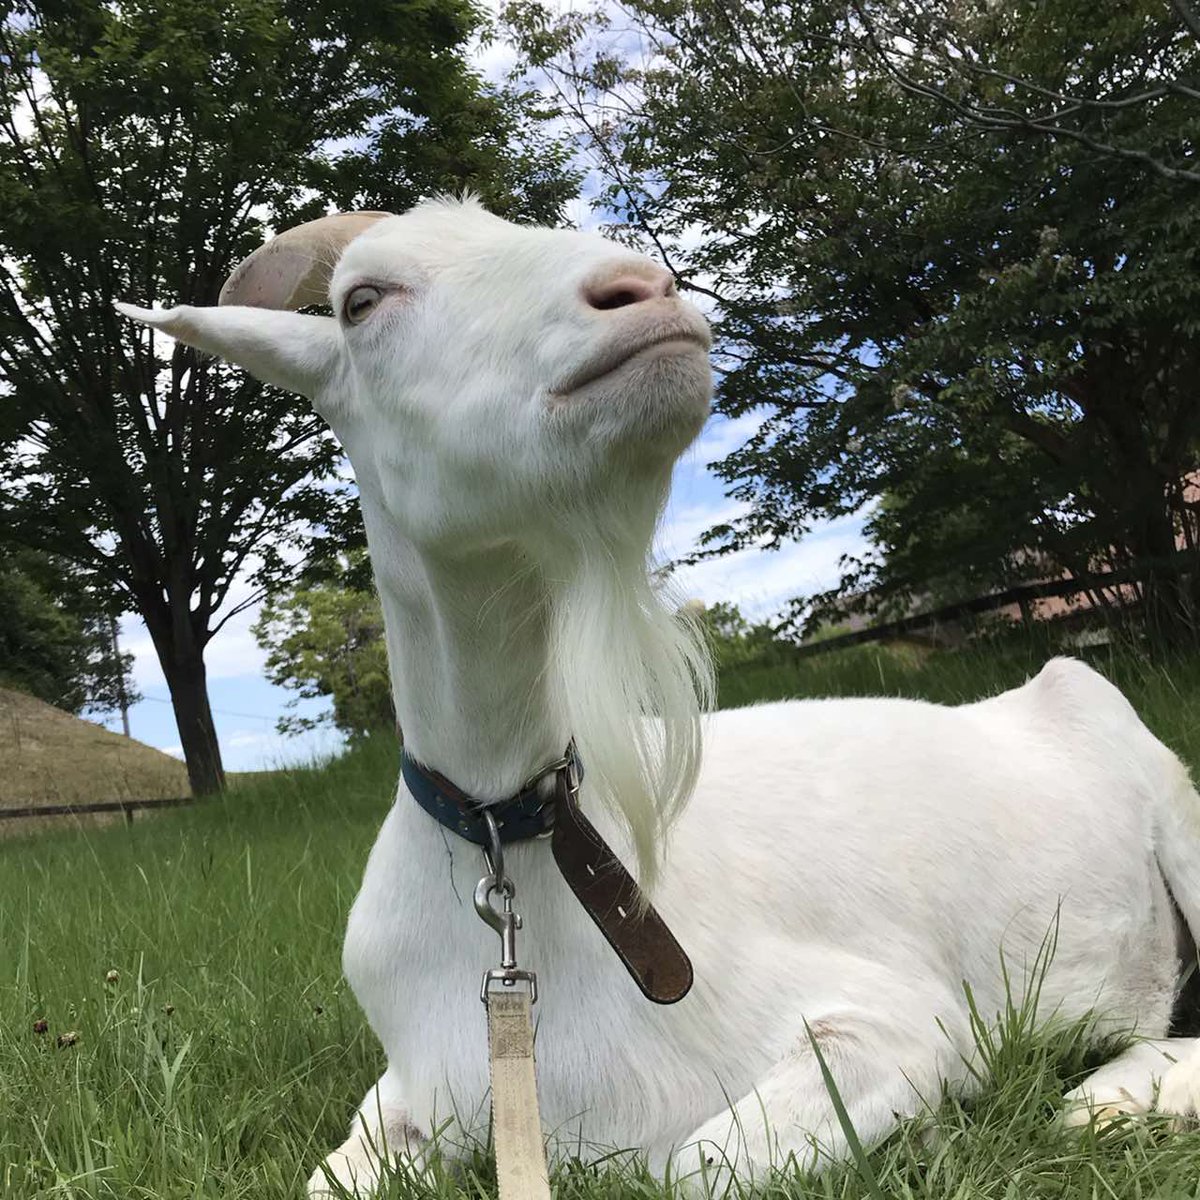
[(327, 640), (146, 148), (55, 637), (952, 250)]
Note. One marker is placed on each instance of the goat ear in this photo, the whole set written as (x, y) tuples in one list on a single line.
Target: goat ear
[(292, 270), (294, 351), (279, 345)]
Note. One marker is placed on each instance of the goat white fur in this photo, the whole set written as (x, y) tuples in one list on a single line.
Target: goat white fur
[(512, 401)]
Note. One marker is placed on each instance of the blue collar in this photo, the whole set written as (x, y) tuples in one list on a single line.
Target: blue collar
[(528, 814)]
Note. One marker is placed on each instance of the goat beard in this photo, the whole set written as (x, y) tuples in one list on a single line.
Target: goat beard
[(632, 674)]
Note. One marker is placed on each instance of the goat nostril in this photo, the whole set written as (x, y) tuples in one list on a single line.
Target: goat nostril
[(617, 299), (625, 290)]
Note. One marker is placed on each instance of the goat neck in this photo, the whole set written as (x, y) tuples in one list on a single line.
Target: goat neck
[(469, 647)]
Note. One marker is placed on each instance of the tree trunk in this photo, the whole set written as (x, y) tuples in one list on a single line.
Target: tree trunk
[(197, 733), (181, 656), (1168, 613)]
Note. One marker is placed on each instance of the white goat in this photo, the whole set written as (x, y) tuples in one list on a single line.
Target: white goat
[(512, 400)]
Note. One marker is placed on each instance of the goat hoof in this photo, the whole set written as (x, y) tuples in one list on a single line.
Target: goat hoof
[(1179, 1092), (1102, 1109)]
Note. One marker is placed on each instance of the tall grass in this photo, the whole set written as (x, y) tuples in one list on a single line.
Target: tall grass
[(1166, 694), (228, 1048), (219, 1053)]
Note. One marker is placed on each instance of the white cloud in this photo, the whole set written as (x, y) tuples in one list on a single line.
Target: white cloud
[(246, 738), (685, 523), (761, 582), (173, 751), (494, 61), (232, 654), (135, 640), (251, 750)]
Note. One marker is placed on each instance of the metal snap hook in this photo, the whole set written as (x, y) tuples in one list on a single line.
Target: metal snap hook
[(501, 918)]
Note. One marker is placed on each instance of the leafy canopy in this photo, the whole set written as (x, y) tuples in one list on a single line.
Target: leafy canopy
[(326, 640), (954, 250), (144, 149), (56, 639)]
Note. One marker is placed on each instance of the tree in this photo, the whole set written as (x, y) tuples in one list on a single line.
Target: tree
[(327, 640), (55, 639), (144, 150), (953, 250), (736, 642), (922, 48)]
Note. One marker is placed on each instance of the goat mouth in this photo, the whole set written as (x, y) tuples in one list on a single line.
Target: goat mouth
[(621, 356)]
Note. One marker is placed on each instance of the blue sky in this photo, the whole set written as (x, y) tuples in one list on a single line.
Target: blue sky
[(246, 706)]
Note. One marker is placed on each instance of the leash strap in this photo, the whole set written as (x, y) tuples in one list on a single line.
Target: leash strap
[(611, 897), (516, 1123)]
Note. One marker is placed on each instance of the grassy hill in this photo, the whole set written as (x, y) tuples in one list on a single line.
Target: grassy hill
[(48, 756)]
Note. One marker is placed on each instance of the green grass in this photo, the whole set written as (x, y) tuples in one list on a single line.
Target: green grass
[(228, 1055), (1166, 695)]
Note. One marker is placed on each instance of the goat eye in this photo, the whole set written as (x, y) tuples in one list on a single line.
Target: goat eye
[(360, 302)]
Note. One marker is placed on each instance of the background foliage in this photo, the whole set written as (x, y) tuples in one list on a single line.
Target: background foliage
[(56, 637), (144, 150), (953, 252), (326, 639)]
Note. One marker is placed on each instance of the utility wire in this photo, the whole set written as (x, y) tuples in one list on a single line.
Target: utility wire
[(221, 712)]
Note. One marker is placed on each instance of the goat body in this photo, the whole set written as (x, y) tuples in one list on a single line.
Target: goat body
[(512, 401), (845, 863)]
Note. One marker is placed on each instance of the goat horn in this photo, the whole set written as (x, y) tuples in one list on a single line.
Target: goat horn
[(292, 270)]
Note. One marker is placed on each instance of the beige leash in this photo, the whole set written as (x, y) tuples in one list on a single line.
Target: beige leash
[(509, 995), (516, 1124), (636, 932)]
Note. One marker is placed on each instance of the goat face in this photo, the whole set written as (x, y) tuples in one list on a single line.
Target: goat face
[(541, 337), (468, 357)]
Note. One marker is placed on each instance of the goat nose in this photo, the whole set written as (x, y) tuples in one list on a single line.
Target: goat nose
[(624, 288)]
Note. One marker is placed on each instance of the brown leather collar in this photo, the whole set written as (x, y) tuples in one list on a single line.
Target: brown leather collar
[(612, 898)]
